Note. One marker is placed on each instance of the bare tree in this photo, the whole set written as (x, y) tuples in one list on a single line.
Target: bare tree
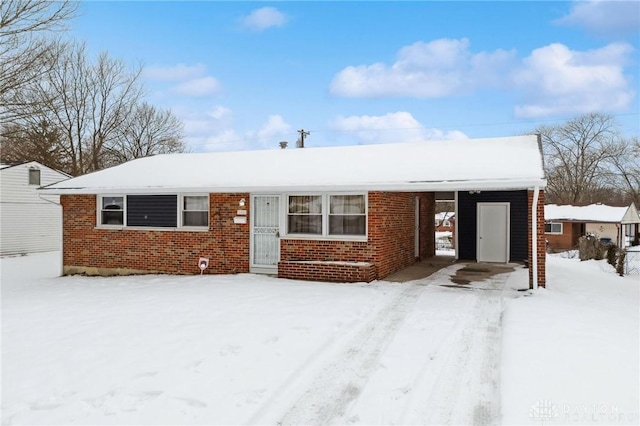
[(39, 143), (88, 102), (27, 51), (147, 131), (576, 157), (624, 169)]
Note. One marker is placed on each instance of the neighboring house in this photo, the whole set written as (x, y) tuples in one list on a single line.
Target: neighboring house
[(445, 225), (445, 221), (29, 222), (345, 214), (566, 223)]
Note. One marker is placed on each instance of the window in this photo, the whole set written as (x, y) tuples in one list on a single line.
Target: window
[(195, 210), (34, 176), (553, 228), (327, 215), (154, 211), (305, 214), (347, 215), (112, 211)]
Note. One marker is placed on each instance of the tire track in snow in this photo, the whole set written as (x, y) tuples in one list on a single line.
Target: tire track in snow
[(340, 382), (463, 386)]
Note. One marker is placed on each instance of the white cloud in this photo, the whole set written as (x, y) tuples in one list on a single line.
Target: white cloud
[(213, 130), (556, 80), (219, 112), (425, 70), (179, 72), (604, 17), (390, 128), (264, 18), (203, 86), (184, 80), (274, 127)]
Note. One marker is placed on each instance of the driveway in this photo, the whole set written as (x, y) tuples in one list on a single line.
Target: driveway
[(415, 362)]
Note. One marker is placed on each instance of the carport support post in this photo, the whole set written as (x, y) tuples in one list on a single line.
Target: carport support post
[(534, 237)]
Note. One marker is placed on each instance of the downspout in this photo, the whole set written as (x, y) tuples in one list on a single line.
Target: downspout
[(534, 237)]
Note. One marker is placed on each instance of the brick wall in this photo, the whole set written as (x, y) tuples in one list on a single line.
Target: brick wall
[(168, 251), (541, 240), (390, 245), (331, 271), (564, 241)]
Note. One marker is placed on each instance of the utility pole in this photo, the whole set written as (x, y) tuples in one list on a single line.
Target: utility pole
[(303, 134)]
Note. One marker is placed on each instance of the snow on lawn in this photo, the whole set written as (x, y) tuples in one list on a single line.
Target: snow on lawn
[(570, 353), (248, 349)]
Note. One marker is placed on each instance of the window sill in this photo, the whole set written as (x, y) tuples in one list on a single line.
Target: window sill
[(145, 228), (358, 238)]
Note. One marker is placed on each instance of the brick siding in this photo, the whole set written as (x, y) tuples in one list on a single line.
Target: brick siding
[(565, 241), (390, 244), (541, 240), (174, 251), (339, 272)]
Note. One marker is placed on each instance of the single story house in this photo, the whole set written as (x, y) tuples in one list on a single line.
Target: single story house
[(344, 214), (566, 223), (444, 221), (29, 222)]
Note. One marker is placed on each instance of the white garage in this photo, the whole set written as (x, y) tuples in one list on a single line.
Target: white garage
[(29, 222)]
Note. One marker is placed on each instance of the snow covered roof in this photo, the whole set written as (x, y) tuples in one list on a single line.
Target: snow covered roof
[(590, 213), (479, 164), (444, 215)]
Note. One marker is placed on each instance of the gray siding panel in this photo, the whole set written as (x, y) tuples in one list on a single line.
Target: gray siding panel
[(467, 222)]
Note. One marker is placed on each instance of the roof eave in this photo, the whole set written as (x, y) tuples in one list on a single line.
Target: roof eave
[(430, 186)]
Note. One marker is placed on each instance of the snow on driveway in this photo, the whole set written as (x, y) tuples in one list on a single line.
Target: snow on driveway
[(247, 349)]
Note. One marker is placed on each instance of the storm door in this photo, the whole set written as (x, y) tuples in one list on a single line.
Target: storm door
[(265, 233)]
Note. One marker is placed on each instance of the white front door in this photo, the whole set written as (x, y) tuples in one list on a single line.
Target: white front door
[(493, 232), (265, 233)]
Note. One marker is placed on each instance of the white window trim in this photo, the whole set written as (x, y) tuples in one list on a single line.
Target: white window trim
[(99, 223), (554, 223), (179, 219), (324, 236), (181, 211), (29, 170)]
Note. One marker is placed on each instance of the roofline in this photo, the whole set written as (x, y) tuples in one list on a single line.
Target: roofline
[(475, 185), (10, 166)]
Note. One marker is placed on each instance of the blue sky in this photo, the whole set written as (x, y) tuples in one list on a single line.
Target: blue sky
[(246, 75)]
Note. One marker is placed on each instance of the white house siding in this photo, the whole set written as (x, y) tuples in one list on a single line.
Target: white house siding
[(28, 223), (604, 230)]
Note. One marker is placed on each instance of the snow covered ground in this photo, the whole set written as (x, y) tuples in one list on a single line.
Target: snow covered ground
[(570, 354), (249, 349)]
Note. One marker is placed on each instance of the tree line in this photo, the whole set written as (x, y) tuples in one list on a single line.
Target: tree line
[(587, 160), (65, 109)]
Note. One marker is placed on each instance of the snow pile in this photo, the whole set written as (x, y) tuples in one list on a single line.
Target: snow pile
[(570, 353)]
